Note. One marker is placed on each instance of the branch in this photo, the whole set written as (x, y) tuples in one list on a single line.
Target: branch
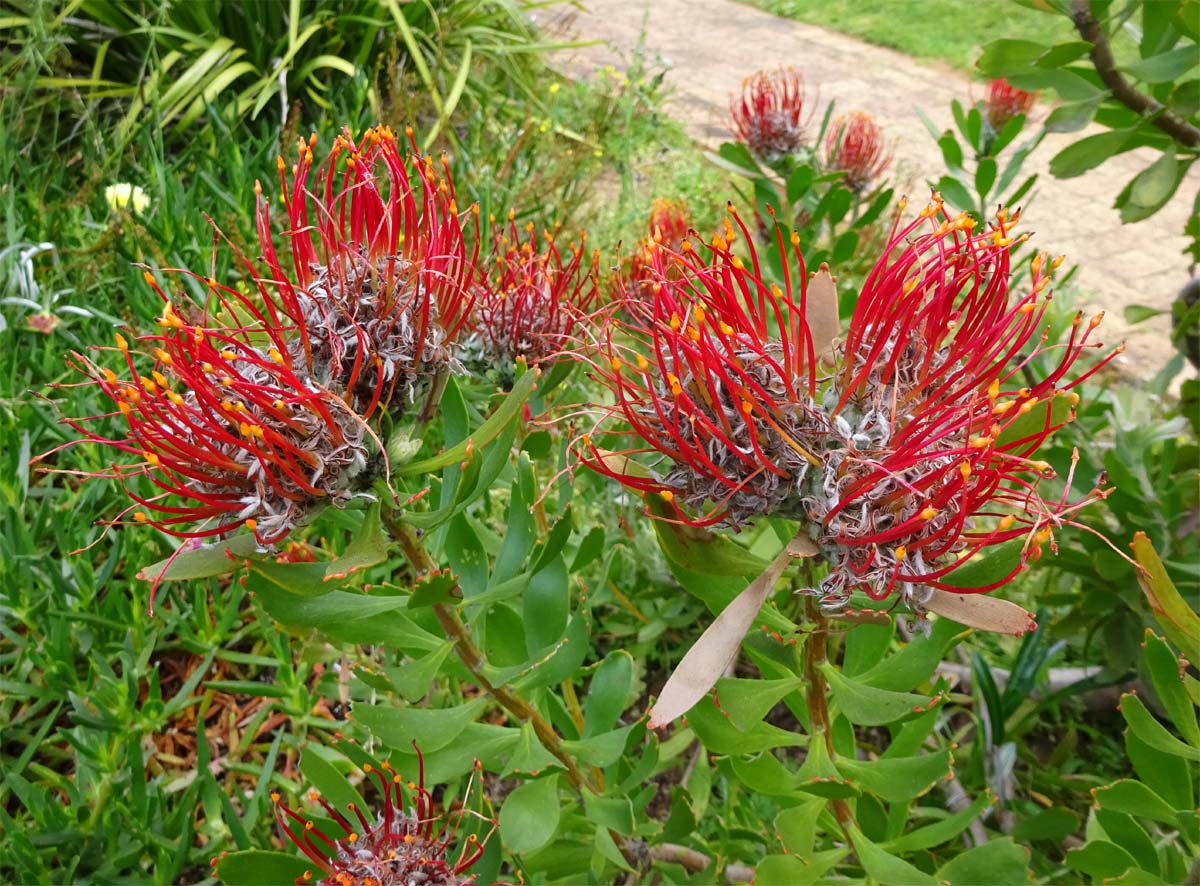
[(1124, 92), (695, 862)]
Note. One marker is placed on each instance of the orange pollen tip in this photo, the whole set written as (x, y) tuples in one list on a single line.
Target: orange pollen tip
[(1027, 406), (1072, 398), (275, 356), (737, 263), (1027, 308), (140, 517), (795, 238), (1096, 321), (910, 285), (965, 469), (251, 524), (675, 322), (122, 343), (124, 408), (901, 552), (616, 365), (1041, 466), (274, 796), (642, 363), (1007, 521), (1001, 408), (148, 277), (928, 513), (1042, 536), (981, 442), (353, 838), (152, 458), (666, 495), (994, 389), (725, 328)]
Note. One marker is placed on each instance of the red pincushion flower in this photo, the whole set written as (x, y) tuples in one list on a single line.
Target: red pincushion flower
[(225, 424), (1004, 101), (533, 298), (770, 115), (397, 847), (254, 410), (854, 146), (905, 457), (383, 280)]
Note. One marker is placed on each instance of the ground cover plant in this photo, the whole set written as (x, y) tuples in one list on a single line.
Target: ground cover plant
[(421, 468)]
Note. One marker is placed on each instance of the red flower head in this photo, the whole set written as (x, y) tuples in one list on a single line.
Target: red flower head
[(225, 424), (769, 117), (670, 222), (383, 279), (1005, 101), (854, 146), (398, 846), (533, 298), (906, 448)]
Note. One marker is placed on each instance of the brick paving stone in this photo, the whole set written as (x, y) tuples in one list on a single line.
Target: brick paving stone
[(710, 45)]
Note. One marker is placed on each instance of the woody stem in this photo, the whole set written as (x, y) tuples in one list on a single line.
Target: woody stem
[(472, 657), (818, 706)]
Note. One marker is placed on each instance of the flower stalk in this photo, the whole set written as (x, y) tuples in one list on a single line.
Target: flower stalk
[(473, 659)]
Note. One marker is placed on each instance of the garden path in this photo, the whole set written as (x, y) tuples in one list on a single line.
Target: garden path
[(710, 45)]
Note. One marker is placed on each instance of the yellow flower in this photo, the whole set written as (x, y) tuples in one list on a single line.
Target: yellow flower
[(124, 195)]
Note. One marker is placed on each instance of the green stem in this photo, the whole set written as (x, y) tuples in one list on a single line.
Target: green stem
[(472, 657)]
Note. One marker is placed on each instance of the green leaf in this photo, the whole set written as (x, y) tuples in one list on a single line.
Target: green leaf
[(529, 757), (698, 550), (916, 662), (999, 861), (436, 587), (952, 153), (764, 774), (369, 548), (1005, 57), (546, 607), (985, 176), (601, 750), (1152, 188), (799, 182), (608, 693), (797, 827), (329, 782), (1164, 669), (1168, 776), (746, 702), (1100, 860), (203, 561), (1142, 724), (941, 831), (843, 249), (897, 780), (1088, 153), (736, 157), (431, 728), (508, 410), (1054, 824), (1130, 836), (1178, 620), (614, 813), (956, 193), (867, 706), (780, 869), (1063, 53), (563, 660), (720, 736), (1074, 116), (529, 817), (1135, 314), (1164, 67), (590, 548), (294, 579), (1134, 798), (413, 680), (262, 867), (881, 865), (989, 568)]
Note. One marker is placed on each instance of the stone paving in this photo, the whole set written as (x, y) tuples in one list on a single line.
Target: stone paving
[(710, 45)]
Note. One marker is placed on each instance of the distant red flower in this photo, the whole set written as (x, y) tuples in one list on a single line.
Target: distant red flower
[(381, 279), (397, 846), (1004, 101), (770, 115), (855, 146), (532, 297), (669, 222), (905, 456)]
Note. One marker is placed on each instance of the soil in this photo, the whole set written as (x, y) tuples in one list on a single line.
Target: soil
[(710, 45)]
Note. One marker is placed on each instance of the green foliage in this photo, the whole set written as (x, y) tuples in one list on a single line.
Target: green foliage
[(1143, 101)]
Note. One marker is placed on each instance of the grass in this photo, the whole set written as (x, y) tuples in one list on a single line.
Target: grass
[(920, 28)]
